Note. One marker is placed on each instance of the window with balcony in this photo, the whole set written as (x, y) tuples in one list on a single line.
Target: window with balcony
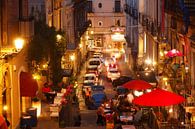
[(117, 8), (90, 7)]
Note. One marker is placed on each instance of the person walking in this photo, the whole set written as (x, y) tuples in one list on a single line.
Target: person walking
[(99, 116)]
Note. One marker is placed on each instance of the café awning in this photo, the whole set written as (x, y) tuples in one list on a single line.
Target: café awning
[(28, 86)]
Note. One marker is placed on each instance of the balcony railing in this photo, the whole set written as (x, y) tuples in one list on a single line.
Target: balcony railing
[(89, 7)]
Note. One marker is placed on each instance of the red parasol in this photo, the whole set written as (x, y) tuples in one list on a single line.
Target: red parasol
[(3, 124), (174, 53), (137, 85), (159, 97)]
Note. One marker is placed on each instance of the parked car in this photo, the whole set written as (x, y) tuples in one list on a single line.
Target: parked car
[(93, 71), (95, 63), (90, 78), (87, 85), (97, 98)]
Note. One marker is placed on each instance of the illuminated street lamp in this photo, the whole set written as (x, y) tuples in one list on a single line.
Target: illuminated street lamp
[(92, 32), (72, 57), (148, 61), (19, 43), (59, 37)]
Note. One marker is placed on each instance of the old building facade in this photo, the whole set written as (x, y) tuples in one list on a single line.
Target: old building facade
[(14, 24)]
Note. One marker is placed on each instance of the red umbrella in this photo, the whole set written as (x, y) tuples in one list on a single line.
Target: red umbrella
[(159, 97), (174, 53), (3, 124), (137, 85)]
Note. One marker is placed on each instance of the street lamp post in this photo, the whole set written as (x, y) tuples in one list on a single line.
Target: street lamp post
[(18, 43)]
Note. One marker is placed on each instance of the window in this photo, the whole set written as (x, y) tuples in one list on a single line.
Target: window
[(90, 10), (100, 23), (118, 22), (117, 6), (100, 5)]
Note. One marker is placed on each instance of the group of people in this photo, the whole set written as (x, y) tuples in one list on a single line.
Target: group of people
[(49, 91), (105, 113), (109, 113)]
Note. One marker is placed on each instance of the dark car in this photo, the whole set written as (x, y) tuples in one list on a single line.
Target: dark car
[(98, 97), (121, 90), (121, 80)]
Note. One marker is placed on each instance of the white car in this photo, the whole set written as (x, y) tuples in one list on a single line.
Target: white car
[(113, 74), (90, 78), (94, 63)]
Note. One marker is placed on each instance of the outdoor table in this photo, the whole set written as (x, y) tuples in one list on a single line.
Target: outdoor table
[(60, 94), (57, 100)]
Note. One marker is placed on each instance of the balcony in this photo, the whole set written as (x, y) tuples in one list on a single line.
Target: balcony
[(26, 27), (89, 7), (190, 4)]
